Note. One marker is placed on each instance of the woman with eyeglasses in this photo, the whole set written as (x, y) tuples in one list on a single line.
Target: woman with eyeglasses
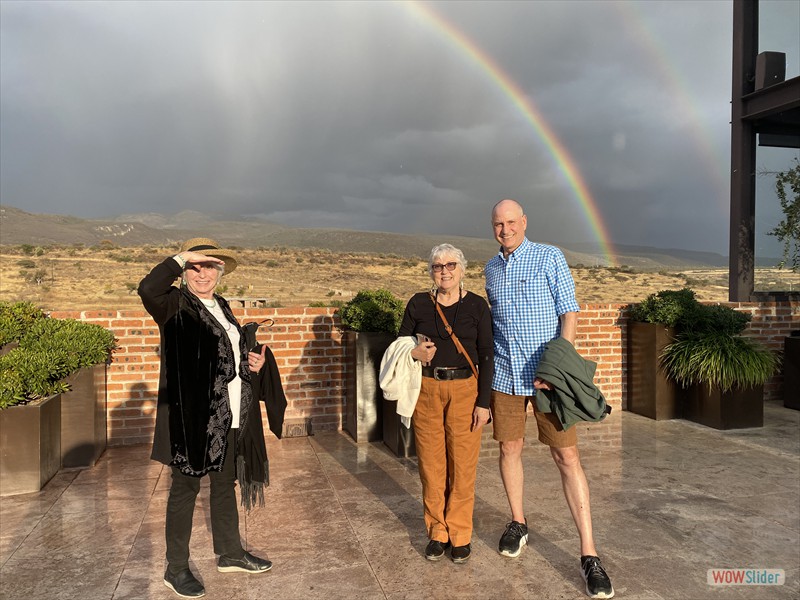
[(208, 420), (453, 329)]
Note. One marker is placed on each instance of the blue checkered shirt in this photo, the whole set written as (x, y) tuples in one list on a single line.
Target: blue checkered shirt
[(528, 292)]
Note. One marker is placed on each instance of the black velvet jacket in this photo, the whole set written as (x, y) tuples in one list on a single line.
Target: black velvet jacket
[(197, 362)]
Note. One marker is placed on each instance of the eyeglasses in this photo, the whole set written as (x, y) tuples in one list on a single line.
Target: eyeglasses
[(437, 268)]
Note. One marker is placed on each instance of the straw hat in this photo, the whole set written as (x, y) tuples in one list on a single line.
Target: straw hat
[(209, 247)]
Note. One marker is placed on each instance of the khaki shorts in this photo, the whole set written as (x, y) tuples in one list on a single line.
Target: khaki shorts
[(509, 414)]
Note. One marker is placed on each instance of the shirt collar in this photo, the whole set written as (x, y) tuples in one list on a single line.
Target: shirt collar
[(521, 250)]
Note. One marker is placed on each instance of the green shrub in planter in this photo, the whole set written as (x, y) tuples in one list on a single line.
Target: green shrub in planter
[(16, 319), (652, 326), (706, 354), (373, 311), (372, 319), (710, 349), (49, 350), (32, 374), (713, 319), (681, 310), (84, 344), (667, 307)]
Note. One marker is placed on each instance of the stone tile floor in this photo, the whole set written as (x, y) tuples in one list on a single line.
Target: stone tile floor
[(344, 520)]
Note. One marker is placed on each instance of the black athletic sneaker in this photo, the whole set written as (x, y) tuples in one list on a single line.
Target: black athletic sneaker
[(514, 538), (435, 549), (598, 585)]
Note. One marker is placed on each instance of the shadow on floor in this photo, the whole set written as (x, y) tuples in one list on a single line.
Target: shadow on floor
[(344, 520)]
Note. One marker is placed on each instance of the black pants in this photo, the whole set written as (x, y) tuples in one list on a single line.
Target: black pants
[(224, 512)]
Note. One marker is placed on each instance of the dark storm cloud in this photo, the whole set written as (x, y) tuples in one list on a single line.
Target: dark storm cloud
[(366, 116)]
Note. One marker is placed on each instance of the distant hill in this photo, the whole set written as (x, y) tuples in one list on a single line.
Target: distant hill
[(668, 257), (20, 227)]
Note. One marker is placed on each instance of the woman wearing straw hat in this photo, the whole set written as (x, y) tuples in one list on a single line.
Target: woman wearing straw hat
[(208, 421)]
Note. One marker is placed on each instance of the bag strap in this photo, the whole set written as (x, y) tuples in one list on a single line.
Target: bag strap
[(454, 337)]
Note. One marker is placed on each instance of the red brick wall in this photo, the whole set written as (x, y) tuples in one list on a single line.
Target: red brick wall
[(307, 344), (771, 322)]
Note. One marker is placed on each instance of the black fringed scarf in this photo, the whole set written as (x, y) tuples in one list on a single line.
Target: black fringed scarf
[(199, 365)]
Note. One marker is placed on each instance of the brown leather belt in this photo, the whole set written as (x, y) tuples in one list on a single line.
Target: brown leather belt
[(447, 373)]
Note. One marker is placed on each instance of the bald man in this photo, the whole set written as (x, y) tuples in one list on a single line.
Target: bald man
[(532, 295)]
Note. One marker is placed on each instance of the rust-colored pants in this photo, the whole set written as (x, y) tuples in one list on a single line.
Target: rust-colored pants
[(447, 452)]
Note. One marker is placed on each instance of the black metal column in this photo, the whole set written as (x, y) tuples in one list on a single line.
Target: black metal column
[(741, 278)]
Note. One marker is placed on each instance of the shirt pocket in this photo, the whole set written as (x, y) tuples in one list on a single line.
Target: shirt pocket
[(533, 288)]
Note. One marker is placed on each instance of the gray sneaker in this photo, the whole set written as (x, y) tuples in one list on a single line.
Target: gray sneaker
[(514, 538)]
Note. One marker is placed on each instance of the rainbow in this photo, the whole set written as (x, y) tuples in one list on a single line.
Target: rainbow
[(564, 161)]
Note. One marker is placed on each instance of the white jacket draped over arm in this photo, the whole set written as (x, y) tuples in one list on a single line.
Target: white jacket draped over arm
[(401, 377)]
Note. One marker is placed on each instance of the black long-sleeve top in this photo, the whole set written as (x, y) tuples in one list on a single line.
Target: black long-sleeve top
[(471, 322)]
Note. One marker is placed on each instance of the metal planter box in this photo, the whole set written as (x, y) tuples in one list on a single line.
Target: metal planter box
[(363, 410), (396, 437), (736, 409), (791, 372), (83, 417), (30, 445), (650, 393)]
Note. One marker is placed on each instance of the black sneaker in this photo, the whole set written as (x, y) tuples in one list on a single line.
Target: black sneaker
[(460, 554), (598, 585), (435, 549), (514, 538), (184, 583), (247, 564)]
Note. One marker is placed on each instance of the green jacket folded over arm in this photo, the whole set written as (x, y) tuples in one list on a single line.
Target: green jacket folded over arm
[(574, 396)]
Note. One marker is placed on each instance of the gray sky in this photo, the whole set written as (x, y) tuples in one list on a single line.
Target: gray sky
[(375, 116)]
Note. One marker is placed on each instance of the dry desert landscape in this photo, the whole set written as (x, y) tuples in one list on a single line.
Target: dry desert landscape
[(106, 276)]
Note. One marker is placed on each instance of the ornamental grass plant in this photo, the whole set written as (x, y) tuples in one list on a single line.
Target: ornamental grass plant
[(709, 348), (718, 359)]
